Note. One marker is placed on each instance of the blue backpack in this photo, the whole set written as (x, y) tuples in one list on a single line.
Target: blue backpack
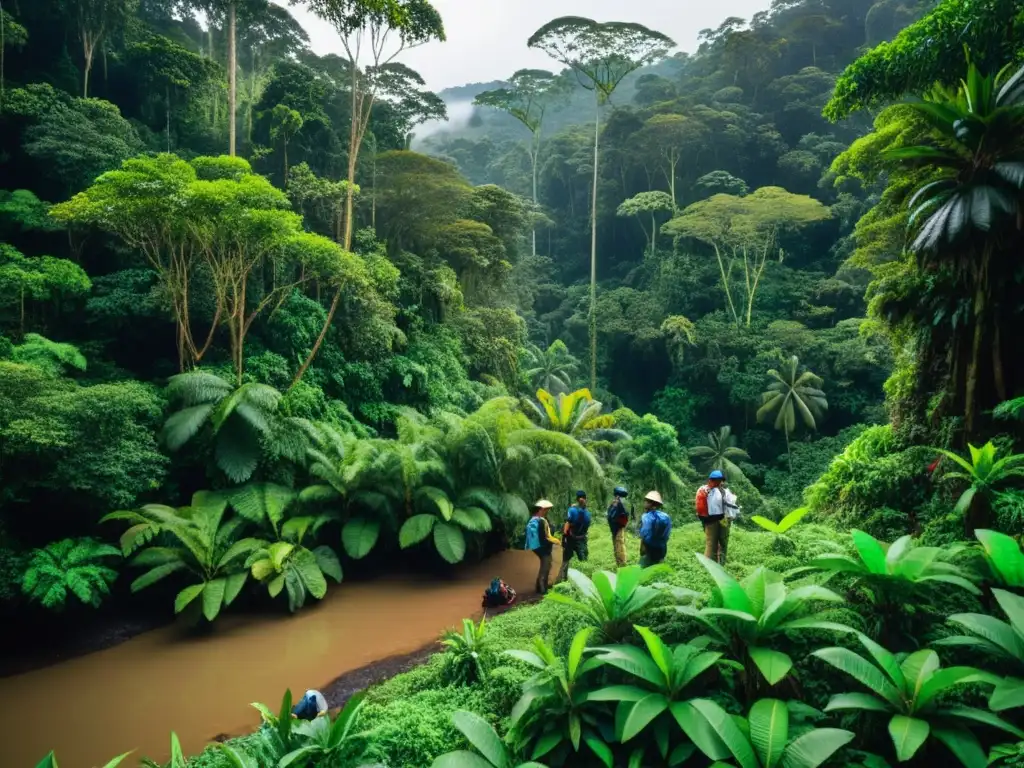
[(580, 522), (533, 534), (660, 530)]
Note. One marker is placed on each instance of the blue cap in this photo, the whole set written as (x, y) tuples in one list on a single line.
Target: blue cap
[(620, 491), (716, 475), (581, 494)]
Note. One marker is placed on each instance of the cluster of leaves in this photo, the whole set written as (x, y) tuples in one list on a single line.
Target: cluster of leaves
[(670, 702)]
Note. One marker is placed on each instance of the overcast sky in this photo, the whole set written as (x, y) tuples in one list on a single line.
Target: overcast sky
[(487, 38)]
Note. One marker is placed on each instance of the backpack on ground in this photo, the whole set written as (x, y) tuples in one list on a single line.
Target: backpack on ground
[(533, 534), (499, 593), (731, 504)]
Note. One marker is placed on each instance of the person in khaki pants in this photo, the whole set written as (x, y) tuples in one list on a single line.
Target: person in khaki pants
[(618, 518), (710, 504)]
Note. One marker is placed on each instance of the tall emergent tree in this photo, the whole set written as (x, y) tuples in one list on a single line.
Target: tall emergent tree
[(601, 55), (96, 19), (373, 33), (528, 95)]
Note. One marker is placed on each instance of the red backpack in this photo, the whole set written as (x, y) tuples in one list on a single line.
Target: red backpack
[(702, 501)]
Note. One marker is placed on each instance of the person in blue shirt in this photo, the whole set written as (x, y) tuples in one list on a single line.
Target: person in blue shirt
[(574, 534), (310, 707), (655, 529), (540, 541)]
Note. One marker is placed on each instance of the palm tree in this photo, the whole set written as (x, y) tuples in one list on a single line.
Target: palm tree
[(792, 393), (720, 452), (551, 369), (240, 419), (967, 210)]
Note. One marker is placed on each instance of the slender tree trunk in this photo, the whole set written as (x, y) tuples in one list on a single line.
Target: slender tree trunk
[(654, 234), (88, 51), (232, 76), (592, 320), (533, 170), (2, 43), (789, 454), (973, 371)]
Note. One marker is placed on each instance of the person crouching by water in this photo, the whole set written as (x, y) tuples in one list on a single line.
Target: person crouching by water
[(655, 529), (310, 707), (540, 541), (574, 534), (618, 518)]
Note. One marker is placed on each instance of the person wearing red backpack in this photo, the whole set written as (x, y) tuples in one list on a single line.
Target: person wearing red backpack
[(711, 512)]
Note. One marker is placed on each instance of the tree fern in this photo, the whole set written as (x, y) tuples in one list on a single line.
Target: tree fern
[(241, 419), (70, 567)]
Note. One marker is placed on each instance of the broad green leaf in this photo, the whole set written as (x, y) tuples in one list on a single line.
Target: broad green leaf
[(472, 519), (304, 564), (769, 730), (774, 665), (359, 536), (186, 596), (450, 542), (862, 670), (727, 730), (460, 759), (908, 734), (328, 562), (641, 713), (1008, 694), (863, 701), (213, 597), (659, 651), (870, 551), (964, 745), (233, 585), (1013, 607), (579, 644), (699, 730), (600, 749), (415, 529), (815, 747), (237, 758), (438, 500), (1005, 556), (482, 736), (733, 595)]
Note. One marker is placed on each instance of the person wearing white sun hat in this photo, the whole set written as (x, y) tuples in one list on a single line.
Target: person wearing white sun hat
[(655, 529), (540, 541)]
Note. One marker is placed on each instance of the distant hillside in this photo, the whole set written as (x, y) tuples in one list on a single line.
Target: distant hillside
[(475, 123)]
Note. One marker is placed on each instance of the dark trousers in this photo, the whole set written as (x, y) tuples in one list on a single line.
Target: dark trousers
[(544, 572)]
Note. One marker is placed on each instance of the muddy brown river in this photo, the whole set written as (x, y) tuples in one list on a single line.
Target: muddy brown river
[(132, 696)]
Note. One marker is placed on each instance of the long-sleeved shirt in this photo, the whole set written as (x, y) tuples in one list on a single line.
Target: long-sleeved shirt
[(546, 539)]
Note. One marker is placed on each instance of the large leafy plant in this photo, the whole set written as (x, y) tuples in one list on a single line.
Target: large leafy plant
[(239, 419), (321, 741), (554, 716), (467, 655), (766, 738), (207, 547), (790, 396), (611, 602), (1004, 558), (749, 618), (997, 640), (299, 571), (784, 524), (983, 474), (666, 678), (720, 452), (446, 521), (493, 752), (911, 695), (894, 577), (70, 567)]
